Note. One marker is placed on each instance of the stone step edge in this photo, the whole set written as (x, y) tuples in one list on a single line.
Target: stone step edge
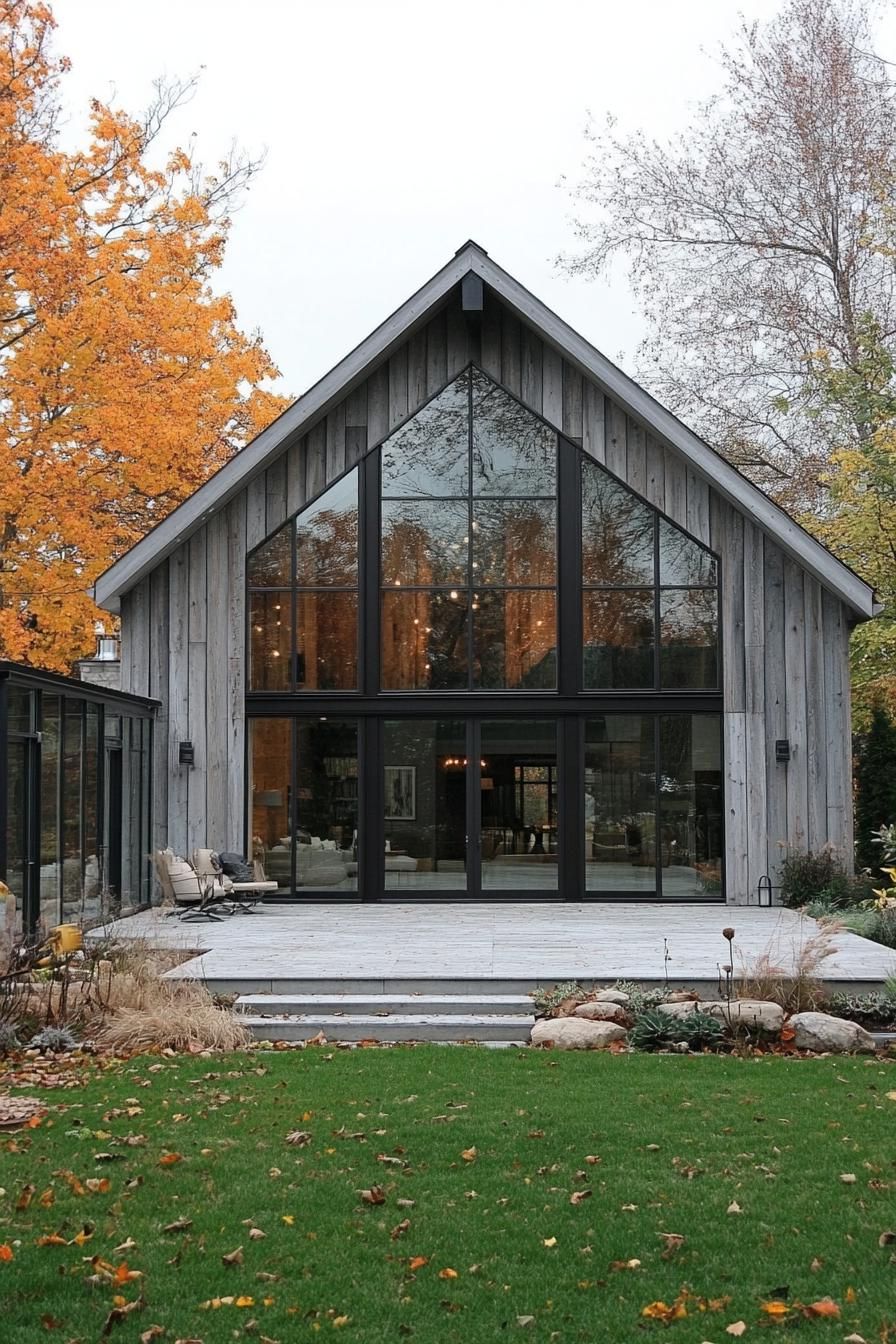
[(510, 1005), (406, 1028)]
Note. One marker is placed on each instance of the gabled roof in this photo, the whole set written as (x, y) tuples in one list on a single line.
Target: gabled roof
[(233, 477)]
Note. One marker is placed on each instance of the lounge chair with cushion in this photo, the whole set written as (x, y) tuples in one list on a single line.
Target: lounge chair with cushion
[(241, 895), (193, 896)]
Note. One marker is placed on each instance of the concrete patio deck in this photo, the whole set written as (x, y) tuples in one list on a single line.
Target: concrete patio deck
[(509, 948)]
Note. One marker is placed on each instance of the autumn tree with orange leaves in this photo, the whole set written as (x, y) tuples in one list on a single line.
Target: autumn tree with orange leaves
[(124, 379)]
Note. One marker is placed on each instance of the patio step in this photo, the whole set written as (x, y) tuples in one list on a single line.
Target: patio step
[(268, 1005), (495, 1019)]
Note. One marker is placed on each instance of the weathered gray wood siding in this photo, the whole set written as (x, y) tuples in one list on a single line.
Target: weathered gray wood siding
[(785, 640)]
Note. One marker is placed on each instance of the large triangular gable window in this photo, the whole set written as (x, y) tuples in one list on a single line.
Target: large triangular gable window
[(469, 539)]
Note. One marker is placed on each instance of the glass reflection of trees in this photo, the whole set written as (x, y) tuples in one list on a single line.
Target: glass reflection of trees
[(303, 598), (650, 601), (469, 552)]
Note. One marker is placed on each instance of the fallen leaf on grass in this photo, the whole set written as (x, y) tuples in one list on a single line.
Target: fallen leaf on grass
[(71, 1181), (774, 1308), (154, 1332), (170, 1159), (665, 1311), (592, 1160), (179, 1225), (299, 1138), (625, 1264), (854, 1339), (52, 1239), (674, 1242), (256, 1234), (375, 1195), (886, 1238), (736, 1328), (891, 1096), (578, 1196), (406, 1203), (97, 1185), (417, 1262), (25, 1197), (288, 1219), (469, 1154), (121, 1314), (525, 1320), (233, 1257), (6, 1253), (448, 1274), (826, 1307), (734, 1207), (549, 1241), (400, 1229), (125, 1246), (848, 1178)]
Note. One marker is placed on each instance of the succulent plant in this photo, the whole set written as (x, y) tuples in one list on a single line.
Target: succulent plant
[(651, 1031), (546, 1000), (53, 1041), (654, 1030)]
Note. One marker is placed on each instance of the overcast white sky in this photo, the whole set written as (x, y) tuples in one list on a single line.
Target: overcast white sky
[(397, 129)]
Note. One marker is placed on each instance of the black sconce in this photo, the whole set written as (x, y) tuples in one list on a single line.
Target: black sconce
[(185, 753), (782, 751)]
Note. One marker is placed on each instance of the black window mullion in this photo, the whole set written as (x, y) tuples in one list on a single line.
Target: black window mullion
[(571, 806), (470, 641), (370, 811), (474, 807), (569, 586), (370, 577), (293, 803), (656, 603), (658, 822)]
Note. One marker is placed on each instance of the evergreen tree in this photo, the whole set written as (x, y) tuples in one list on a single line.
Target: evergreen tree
[(875, 785)]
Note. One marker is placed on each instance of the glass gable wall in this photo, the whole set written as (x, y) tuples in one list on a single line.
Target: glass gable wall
[(459, 689), (75, 798)]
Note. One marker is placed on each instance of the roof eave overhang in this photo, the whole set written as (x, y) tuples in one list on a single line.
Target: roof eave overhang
[(233, 477)]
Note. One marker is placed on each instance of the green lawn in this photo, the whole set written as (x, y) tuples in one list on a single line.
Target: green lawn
[(490, 1146)]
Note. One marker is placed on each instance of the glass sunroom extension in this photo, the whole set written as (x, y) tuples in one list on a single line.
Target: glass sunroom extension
[(482, 666)]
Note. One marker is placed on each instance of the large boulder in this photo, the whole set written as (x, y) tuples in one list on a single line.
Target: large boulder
[(823, 1033), (576, 1033), (612, 996), (768, 1017), (600, 1012)]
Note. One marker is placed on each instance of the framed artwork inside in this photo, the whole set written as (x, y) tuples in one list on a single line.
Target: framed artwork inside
[(400, 789)]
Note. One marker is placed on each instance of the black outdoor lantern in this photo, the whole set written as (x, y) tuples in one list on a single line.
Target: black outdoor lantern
[(782, 751), (186, 754)]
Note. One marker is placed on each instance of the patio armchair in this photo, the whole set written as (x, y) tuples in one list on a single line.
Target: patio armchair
[(240, 895), (192, 896)]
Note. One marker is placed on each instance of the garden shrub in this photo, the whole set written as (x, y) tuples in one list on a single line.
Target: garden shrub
[(820, 877), (875, 785)]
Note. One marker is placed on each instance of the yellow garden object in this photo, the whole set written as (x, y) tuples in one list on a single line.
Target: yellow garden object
[(65, 938)]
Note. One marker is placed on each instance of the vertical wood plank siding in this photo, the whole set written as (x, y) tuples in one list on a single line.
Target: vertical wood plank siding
[(785, 640)]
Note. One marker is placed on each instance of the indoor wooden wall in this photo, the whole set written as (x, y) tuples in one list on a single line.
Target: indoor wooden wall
[(785, 640)]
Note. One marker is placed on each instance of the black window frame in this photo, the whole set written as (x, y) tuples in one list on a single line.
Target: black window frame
[(571, 703)]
